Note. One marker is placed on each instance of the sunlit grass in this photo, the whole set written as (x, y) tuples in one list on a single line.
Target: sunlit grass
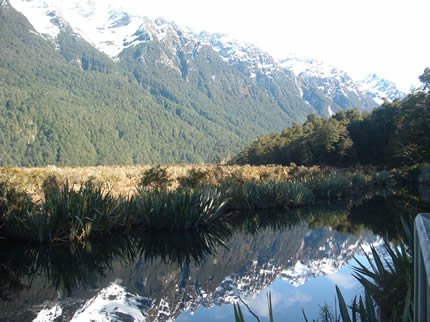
[(123, 180), (162, 198)]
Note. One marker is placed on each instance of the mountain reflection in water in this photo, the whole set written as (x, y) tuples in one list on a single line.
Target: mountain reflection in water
[(147, 276)]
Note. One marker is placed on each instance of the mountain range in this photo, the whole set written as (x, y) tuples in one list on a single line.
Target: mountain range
[(85, 84)]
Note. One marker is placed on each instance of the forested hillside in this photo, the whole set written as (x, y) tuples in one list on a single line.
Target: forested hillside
[(394, 134), (75, 106), (135, 90)]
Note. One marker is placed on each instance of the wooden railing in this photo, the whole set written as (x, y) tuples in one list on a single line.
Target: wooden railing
[(422, 268)]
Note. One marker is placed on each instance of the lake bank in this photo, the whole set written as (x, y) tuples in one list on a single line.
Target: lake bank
[(199, 200)]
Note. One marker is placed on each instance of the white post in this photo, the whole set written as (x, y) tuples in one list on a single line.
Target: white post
[(422, 268)]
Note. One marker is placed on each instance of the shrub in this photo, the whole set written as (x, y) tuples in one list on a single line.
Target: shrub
[(156, 178), (194, 179), (389, 282), (15, 206), (13, 201), (383, 179)]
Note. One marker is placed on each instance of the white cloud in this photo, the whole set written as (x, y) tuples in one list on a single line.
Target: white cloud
[(343, 280), (259, 304)]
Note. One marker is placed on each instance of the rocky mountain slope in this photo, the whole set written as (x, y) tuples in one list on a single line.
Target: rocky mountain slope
[(329, 89)]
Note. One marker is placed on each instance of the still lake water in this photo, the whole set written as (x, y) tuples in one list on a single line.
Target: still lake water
[(298, 256)]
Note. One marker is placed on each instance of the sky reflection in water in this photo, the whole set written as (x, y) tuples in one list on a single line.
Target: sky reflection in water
[(288, 300)]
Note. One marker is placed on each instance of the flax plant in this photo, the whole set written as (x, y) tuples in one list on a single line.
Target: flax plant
[(179, 210), (78, 215)]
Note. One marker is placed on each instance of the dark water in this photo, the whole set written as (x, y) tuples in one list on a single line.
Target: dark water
[(298, 256)]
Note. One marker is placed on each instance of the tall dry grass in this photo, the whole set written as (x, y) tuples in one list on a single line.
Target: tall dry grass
[(123, 180)]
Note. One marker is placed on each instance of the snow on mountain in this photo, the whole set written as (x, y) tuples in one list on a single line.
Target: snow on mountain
[(49, 314), (379, 88), (325, 87), (246, 57), (310, 67), (111, 29), (42, 15), (329, 79), (326, 260), (333, 81), (107, 28), (113, 303)]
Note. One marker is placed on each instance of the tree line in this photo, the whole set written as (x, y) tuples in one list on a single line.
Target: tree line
[(394, 134)]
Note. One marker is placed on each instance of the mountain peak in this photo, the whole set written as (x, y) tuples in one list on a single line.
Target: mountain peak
[(379, 88), (338, 85), (119, 19), (109, 29), (249, 59), (310, 67)]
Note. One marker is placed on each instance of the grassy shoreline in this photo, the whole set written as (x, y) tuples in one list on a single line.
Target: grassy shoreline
[(175, 198), (123, 180)]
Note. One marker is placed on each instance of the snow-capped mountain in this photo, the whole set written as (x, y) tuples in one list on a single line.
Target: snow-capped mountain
[(380, 88), (328, 79), (319, 81), (113, 303), (173, 83), (111, 30), (206, 87), (249, 59)]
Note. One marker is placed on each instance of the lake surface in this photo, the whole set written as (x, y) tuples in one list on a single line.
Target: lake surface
[(299, 256)]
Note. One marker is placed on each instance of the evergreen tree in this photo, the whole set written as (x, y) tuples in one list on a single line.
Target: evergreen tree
[(394, 134), (425, 78)]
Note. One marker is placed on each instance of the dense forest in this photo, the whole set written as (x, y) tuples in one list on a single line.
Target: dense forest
[(67, 103), (394, 134)]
